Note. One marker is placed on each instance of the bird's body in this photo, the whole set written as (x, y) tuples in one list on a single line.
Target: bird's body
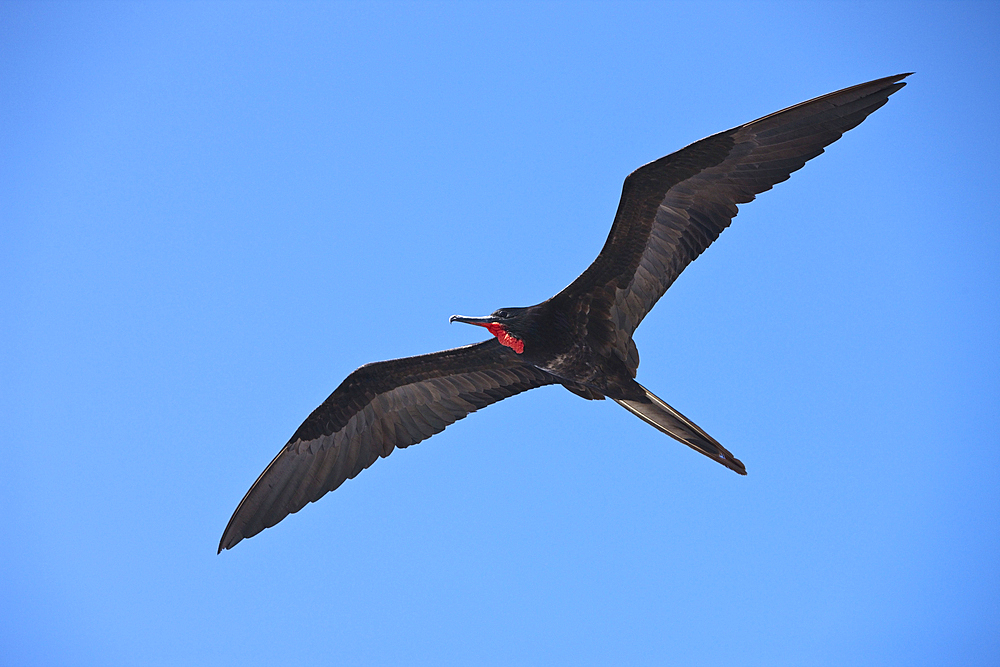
[(670, 211)]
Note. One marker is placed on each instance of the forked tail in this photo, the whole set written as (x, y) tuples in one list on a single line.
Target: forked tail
[(664, 418)]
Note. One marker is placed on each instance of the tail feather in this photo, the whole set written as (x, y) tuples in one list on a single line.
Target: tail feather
[(661, 416)]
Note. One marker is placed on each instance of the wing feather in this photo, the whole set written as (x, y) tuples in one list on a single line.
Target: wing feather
[(672, 209), (378, 408)]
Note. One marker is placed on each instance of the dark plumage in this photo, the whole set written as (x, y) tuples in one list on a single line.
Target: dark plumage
[(670, 211)]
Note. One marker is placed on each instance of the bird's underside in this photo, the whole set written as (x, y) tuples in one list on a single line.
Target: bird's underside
[(670, 211)]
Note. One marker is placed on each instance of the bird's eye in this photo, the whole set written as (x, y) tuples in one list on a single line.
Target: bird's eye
[(503, 313)]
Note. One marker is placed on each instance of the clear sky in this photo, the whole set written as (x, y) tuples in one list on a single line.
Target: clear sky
[(210, 213)]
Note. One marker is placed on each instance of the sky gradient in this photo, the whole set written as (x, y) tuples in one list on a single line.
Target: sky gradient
[(211, 213)]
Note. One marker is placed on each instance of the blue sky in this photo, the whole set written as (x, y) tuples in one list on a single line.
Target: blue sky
[(213, 212)]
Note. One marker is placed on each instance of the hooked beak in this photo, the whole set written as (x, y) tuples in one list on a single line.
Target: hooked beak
[(478, 321)]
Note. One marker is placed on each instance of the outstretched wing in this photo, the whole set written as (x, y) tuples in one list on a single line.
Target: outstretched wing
[(379, 407), (674, 208)]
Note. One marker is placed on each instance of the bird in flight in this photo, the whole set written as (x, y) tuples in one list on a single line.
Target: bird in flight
[(670, 211)]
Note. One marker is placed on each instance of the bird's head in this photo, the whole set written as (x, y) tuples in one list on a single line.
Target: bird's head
[(509, 325)]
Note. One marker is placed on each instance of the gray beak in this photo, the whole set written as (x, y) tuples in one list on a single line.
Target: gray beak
[(479, 321)]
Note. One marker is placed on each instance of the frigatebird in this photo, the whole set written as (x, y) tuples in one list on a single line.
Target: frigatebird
[(670, 211)]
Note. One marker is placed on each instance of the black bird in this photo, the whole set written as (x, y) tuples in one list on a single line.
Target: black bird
[(670, 211)]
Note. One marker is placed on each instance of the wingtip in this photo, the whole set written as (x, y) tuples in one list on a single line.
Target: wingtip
[(896, 81), (227, 542), (230, 538)]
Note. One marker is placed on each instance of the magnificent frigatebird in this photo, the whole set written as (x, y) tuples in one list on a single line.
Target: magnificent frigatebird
[(670, 211)]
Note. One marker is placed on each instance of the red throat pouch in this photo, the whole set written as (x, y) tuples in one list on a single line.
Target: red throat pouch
[(505, 338)]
